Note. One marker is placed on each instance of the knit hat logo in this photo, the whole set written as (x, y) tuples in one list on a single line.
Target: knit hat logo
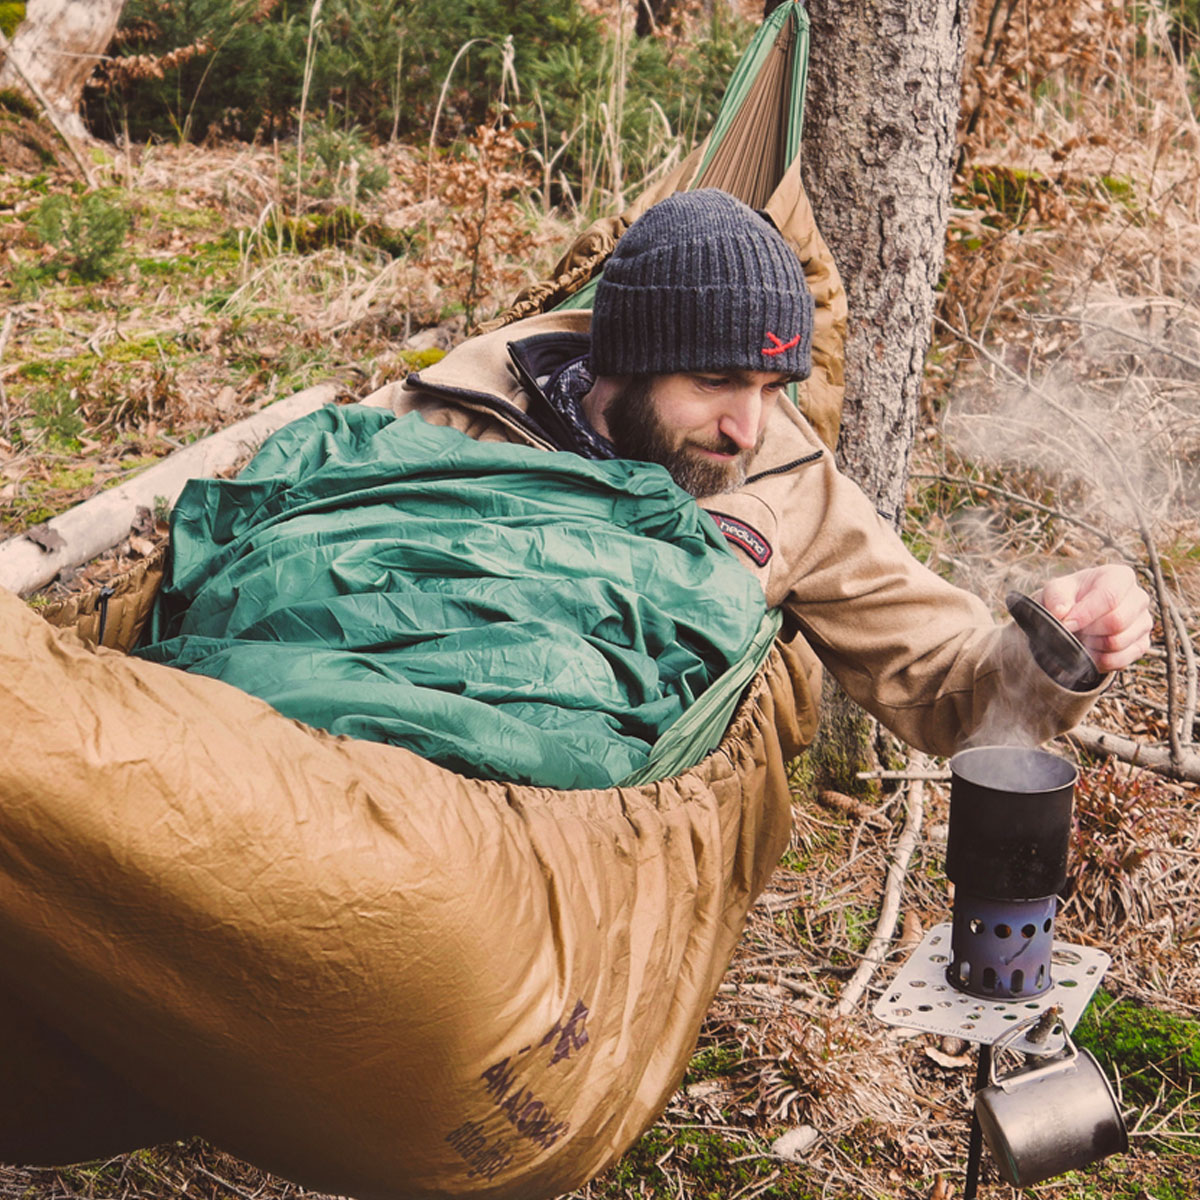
[(697, 283), (778, 345)]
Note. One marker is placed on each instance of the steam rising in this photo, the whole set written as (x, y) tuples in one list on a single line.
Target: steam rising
[(1013, 769), (1106, 431)]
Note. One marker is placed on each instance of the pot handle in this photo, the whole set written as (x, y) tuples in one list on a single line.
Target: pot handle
[(1059, 1060)]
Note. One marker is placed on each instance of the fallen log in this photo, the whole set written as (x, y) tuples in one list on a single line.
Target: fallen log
[(1154, 758), (98, 524)]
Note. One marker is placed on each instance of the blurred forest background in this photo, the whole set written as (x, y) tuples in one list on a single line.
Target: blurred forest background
[(272, 193)]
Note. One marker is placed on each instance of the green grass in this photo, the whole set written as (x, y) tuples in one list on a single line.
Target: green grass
[(705, 1164), (1121, 1179), (1145, 1045)]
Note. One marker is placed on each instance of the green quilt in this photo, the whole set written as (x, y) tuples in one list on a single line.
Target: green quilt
[(504, 611)]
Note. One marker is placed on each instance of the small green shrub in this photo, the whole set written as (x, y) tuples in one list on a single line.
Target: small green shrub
[(338, 166), (87, 233), (12, 13), (56, 413), (181, 69), (710, 1062), (17, 103)]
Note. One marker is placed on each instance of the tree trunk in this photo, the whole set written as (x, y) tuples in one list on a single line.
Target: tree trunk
[(879, 144), (653, 15), (56, 47)]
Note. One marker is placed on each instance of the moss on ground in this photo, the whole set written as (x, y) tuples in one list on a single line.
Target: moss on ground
[(40, 499), (709, 1062), (1145, 1047), (1124, 1179), (1153, 1058), (702, 1164)]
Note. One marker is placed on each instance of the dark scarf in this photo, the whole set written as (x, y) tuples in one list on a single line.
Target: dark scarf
[(564, 391)]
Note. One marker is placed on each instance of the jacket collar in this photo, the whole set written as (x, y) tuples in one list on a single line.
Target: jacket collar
[(503, 374)]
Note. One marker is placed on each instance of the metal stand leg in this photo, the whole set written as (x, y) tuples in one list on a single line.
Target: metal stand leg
[(983, 1072)]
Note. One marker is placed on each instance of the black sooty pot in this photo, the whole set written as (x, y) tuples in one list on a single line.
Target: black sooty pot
[(1010, 826)]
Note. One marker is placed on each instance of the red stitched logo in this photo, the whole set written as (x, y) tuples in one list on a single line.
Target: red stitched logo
[(744, 536), (778, 347)]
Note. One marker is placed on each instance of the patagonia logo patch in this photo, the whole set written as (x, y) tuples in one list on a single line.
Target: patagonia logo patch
[(744, 537)]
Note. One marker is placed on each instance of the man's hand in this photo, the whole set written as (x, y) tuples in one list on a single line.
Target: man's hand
[(1106, 610)]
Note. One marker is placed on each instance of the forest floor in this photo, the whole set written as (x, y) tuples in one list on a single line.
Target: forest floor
[(1061, 425)]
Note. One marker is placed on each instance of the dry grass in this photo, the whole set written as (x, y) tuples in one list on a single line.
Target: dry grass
[(228, 299)]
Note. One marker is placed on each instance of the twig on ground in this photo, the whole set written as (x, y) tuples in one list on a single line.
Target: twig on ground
[(232, 1187), (759, 1187), (1154, 758), (910, 776), (799, 989), (893, 887), (1187, 718)]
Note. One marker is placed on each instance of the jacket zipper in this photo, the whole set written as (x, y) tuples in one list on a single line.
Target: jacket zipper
[(786, 467)]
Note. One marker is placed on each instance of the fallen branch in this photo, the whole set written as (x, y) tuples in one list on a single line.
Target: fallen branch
[(1187, 718), (910, 776), (1154, 758), (893, 887), (98, 524), (1017, 498), (47, 108)]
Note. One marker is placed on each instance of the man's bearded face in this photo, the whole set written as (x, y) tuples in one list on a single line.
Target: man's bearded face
[(704, 428)]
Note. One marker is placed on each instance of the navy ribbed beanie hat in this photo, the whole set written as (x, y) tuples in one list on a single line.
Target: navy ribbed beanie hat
[(702, 282)]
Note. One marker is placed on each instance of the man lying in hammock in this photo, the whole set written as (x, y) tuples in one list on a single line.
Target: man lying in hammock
[(352, 965), (701, 319)]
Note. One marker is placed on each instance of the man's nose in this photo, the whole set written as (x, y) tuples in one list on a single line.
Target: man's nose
[(741, 418)]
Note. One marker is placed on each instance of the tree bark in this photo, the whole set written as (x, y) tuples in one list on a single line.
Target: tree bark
[(879, 145), (653, 15), (880, 128), (57, 46)]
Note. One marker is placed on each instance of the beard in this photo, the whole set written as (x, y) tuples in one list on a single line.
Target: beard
[(636, 432)]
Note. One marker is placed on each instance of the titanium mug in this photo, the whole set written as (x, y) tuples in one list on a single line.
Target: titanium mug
[(1052, 1115)]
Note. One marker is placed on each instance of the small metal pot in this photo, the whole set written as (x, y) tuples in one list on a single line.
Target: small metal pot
[(1010, 821), (1051, 1115)]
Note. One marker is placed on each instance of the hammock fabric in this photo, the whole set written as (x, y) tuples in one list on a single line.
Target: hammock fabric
[(344, 962), (508, 613)]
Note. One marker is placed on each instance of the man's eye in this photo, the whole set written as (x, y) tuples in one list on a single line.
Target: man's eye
[(710, 381)]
